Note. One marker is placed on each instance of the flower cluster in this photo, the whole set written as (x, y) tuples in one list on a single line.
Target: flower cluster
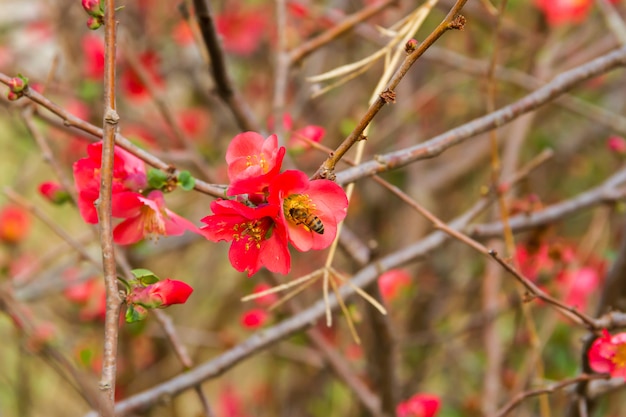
[(270, 209), (419, 405), (135, 199), (608, 354)]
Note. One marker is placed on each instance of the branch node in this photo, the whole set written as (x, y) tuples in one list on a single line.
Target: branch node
[(111, 117), (388, 96), (458, 23)]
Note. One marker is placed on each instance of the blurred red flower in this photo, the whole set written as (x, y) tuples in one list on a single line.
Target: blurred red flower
[(419, 405), (242, 29), (131, 84), (93, 53), (392, 283), (255, 318), (608, 354), (14, 224)]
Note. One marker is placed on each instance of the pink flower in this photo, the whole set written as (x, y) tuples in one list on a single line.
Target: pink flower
[(255, 318), (14, 224), (558, 12), (580, 285), (312, 132), (256, 239), (310, 210), (132, 85), (252, 162), (90, 296), (129, 174), (616, 144), (393, 282), (608, 354), (161, 294), (241, 30), (266, 300), (419, 405), (146, 217)]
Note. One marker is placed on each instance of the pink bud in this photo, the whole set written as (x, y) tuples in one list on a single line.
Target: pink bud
[(411, 46), (53, 192), (94, 23), (13, 96), (617, 144), (93, 8), (17, 84)]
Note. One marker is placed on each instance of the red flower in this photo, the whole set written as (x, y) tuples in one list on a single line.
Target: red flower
[(132, 85), (312, 132), (257, 240), (14, 224), (129, 174), (616, 144), (90, 296), (93, 51), (393, 282), (241, 30), (579, 286), (310, 210), (161, 294), (419, 405), (266, 300), (565, 11), (252, 162), (146, 217), (608, 354), (255, 318)]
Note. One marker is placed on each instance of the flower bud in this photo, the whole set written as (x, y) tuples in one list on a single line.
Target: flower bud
[(616, 144), (93, 8), (14, 224), (53, 192), (13, 96), (162, 294), (94, 23), (411, 45), (17, 84)]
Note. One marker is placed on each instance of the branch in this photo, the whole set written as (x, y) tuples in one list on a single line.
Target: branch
[(225, 89), (103, 205), (435, 146), (387, 96)]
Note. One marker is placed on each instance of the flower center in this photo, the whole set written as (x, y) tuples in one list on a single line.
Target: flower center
[(260, 160), (153, 223), (252, 232)]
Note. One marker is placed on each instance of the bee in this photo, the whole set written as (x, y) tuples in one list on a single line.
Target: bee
[(304, 217)]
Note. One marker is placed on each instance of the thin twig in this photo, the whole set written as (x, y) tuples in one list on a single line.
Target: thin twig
[(103, 205), (435, 146)]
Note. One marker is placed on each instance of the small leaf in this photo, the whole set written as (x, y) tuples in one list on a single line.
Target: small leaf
[(157, 179), (186, 181), (135, 313), (145, 276)]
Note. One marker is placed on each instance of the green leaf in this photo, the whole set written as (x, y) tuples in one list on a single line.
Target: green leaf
[(157, 179), (135, 313), (145, 276), (186, 181)]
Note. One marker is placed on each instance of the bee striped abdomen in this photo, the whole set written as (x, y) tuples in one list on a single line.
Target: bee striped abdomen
[(302, 217)]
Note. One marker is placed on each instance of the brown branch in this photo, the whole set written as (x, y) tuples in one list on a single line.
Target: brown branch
[(540, 391), (346, 24), (537, 292), (328, 167), (103, 205), (183, 355), (72, 121), (435, 146), (224, 86)]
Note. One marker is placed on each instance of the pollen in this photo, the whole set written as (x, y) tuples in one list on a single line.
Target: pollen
[(253, 232), (258, 160), (620, 356)]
